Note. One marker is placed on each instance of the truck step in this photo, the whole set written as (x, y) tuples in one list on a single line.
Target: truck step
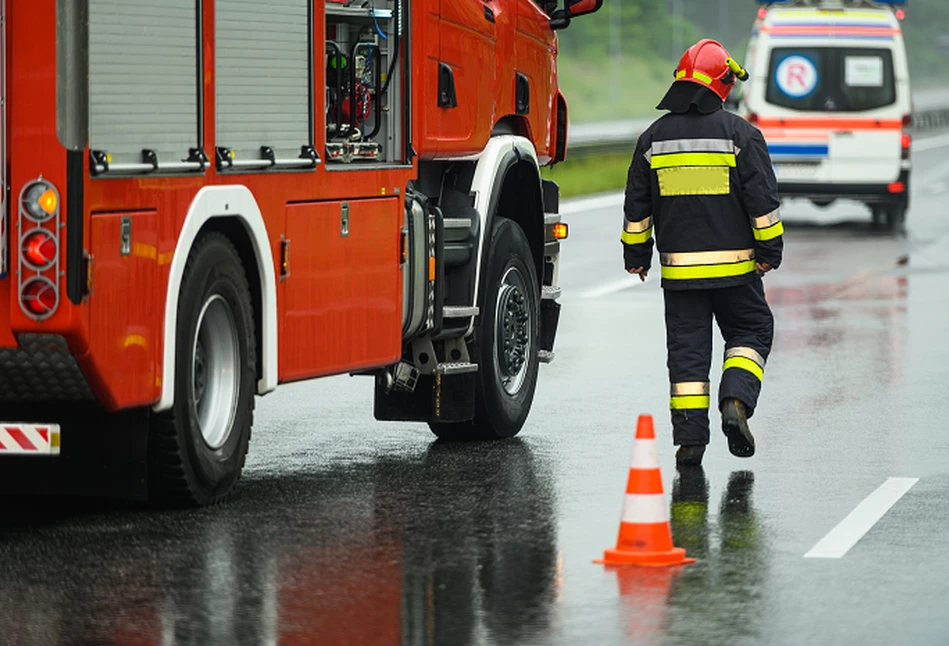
[(545, 356), (550, 293), (455, 368), (457, 223), (454, 312)]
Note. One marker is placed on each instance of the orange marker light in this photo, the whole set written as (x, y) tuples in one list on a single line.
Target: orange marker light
[(431, 269), (48, 201), (561, 230)]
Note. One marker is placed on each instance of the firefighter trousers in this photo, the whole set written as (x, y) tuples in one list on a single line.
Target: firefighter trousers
[(745, 321)]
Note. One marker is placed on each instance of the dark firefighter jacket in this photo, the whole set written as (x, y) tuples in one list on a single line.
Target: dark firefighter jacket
[(705, 185)]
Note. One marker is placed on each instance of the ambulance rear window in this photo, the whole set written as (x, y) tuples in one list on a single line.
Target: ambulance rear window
[(831, 79)]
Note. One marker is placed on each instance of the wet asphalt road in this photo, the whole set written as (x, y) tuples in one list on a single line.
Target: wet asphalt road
[(347, 531)]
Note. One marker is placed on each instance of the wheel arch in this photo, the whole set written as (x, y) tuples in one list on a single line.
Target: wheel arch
[(233, 211), (507, 184)]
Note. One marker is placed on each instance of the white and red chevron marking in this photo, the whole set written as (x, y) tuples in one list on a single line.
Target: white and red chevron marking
[(29, 439)]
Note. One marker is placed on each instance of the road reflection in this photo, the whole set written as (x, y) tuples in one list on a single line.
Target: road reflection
[(727, 584), (724, 587), (452, 546), (858, 327)]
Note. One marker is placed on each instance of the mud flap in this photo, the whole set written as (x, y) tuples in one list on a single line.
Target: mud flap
[(549, 320), (437, 398)]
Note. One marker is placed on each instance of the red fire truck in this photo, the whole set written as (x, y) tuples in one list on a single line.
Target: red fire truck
[(207, 198)]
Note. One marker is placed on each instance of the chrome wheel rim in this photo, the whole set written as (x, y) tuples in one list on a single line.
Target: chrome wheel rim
[(512, 335), (215, 371)]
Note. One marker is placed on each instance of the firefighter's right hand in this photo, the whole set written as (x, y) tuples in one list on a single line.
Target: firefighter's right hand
[(763, 268), (642, 273)]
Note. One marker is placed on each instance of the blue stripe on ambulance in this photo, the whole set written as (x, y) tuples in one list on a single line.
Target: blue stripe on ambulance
[(796, 150)]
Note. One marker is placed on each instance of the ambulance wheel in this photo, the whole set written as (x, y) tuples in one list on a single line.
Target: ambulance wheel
[(896, 218), (197, 449), (878, 212), (506, 339)]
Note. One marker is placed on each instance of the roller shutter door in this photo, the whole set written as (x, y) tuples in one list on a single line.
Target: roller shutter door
[(143, 77), (262, 90)]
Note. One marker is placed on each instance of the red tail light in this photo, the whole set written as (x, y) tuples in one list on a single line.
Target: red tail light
[(39, 249), (907, 120), (896, 187), (905, 143), (39, 296), (753, 118), (37, 270)]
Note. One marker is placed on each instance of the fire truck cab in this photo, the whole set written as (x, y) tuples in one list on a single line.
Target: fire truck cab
[(207, 198)]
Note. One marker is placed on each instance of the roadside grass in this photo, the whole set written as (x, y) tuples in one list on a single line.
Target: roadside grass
[(622, 88), (590, 174)]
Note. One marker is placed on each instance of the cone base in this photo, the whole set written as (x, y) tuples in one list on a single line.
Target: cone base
[(675, 556)]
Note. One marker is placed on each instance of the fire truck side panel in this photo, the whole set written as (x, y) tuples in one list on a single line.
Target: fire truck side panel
[(125, 348), (342, 305), (467, 46), (487, 45), (426, 116), (33, 149), (535, 51)]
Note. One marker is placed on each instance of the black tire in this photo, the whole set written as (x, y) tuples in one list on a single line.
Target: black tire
[(186, 469), (878, 212), (501, 411), (896, 218)]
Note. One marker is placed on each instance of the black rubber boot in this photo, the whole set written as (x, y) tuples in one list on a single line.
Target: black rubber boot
[(735, 426), (690, 455)]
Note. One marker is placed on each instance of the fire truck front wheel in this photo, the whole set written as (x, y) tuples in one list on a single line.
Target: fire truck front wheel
[(506, 339), (197, 448)]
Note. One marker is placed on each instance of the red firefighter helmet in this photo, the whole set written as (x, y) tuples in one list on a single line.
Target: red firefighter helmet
[(708, 64)]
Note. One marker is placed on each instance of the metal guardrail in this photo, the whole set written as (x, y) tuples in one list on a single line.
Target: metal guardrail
[(931, 112)]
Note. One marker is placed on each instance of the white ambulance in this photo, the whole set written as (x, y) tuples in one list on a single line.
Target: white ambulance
[(830, 91)]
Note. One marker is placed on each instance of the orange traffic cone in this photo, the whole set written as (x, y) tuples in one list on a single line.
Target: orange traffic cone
[(645, 537)]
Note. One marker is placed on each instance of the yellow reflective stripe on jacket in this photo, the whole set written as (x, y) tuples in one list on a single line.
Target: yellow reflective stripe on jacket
[(708, 271), (689, 388), (705, 78), (638, 226), (693, 180), (744, 364), (636, 238), (692, 159), (684, 402), (770, 233)]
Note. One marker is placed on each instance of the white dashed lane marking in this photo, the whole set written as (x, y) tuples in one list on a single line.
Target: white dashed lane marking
[(861, 520)]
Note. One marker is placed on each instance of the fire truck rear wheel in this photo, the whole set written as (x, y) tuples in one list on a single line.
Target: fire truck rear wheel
[(506, 339), (197, 449)]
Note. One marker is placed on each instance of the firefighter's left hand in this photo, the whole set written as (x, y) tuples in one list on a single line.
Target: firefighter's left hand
[(642, 273), (763, 268)]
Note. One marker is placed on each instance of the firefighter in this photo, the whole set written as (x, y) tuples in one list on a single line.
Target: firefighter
[(702, 180)]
